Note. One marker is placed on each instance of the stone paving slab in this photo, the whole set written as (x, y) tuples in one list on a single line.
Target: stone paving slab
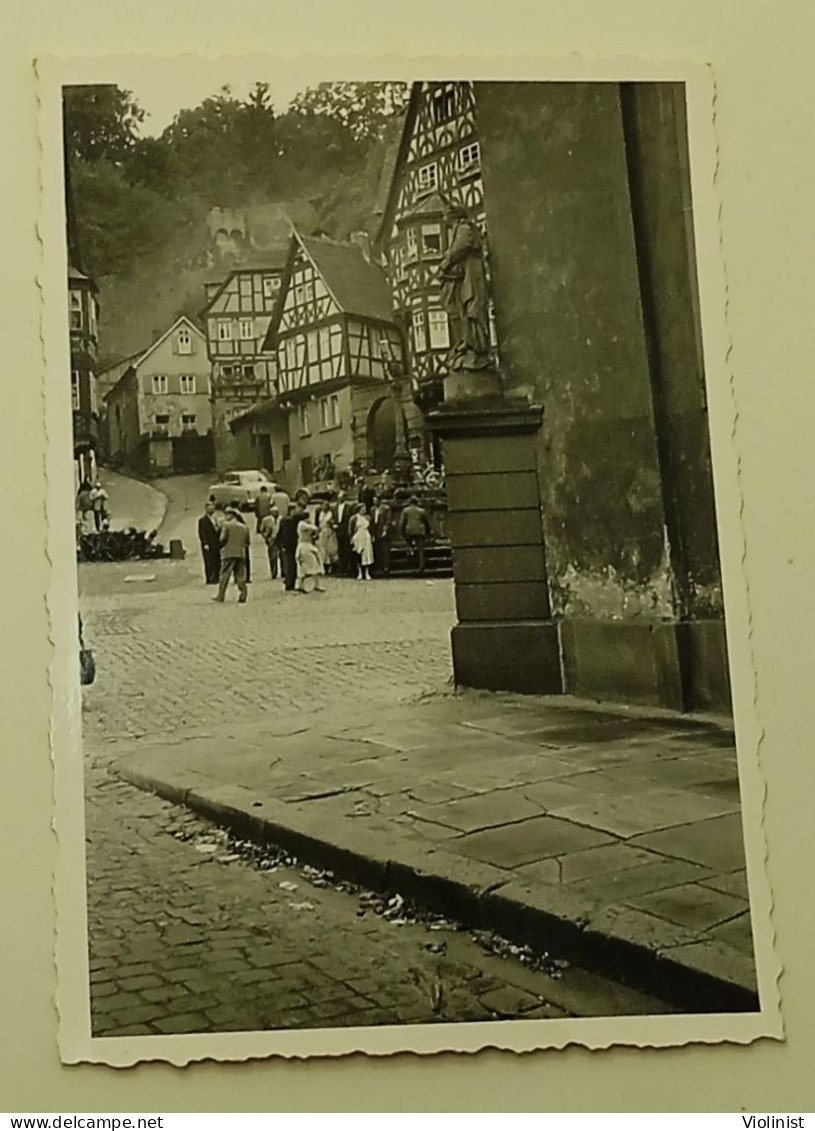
[(535, 817)]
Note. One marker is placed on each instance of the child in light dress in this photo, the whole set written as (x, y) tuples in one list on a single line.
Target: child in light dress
[(309, 560)]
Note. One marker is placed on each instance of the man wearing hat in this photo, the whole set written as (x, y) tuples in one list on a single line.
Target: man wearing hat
[(234, 550)]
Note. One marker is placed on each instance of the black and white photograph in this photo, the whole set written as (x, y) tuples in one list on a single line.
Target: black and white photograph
[(408, 664)]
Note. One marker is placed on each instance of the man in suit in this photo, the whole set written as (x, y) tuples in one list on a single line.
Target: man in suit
[(209, 537), (263, 504), (415, 527), (381, 531), (236, 508), (342, 512), (234, 549), (287, 545)]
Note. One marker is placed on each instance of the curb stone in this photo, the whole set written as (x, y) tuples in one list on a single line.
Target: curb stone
[(692, 975)]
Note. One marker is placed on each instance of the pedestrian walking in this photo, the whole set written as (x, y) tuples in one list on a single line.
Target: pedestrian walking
[(263, 504), (234, 545), (362, 543), (99, 500), (269, 530), (381, 517), (309, 560), (415, 527), (84, 505), (343, 512), (209, 535), (327, 537), (236, 507)]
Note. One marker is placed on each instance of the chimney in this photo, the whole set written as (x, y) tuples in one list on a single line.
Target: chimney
[(363, 242)]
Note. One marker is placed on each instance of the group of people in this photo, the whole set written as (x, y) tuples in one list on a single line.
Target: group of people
[(92, 512), (344, 538)]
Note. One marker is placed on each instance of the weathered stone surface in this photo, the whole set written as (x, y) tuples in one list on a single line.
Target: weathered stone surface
[(533, 839)]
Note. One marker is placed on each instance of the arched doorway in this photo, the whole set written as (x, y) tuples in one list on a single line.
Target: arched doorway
[(382, 434)]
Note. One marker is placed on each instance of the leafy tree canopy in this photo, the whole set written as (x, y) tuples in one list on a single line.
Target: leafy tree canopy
[(101, 122)]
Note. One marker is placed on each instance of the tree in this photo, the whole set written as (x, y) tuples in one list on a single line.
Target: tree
[(364, 108), (101, 122)]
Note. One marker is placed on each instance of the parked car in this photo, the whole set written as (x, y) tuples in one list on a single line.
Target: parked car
[(241, 487)]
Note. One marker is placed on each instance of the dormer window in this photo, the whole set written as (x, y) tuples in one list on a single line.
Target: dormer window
[(183, 340), (444, 106), (428, 177)]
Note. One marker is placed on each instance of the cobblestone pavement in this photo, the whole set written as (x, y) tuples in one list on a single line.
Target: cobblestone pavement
[(187, 935)]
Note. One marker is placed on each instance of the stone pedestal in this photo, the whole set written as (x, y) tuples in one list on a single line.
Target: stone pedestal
[(505, 639)]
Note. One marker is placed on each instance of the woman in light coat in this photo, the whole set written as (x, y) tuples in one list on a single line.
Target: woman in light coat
[(362, 544)]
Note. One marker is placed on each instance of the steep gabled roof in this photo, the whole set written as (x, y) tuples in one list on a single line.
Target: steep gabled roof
[(399, 164), (269, 261), (137, 358), (357, 286)]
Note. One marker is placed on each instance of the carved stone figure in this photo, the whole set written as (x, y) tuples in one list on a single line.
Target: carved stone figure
[(464, 294)]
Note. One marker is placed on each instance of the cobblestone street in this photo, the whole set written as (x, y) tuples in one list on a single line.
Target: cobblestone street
[(189, 933)]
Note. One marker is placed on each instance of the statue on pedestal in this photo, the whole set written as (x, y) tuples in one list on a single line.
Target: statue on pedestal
[(464, 295)]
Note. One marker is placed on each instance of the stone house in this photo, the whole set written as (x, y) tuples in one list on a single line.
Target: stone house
[(158, 411)]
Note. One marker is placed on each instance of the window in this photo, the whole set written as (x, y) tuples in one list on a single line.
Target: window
[(428, 177), (76, 310), (308, 290), (330, 411), (469, 157), (162, 422), (431, 239), (187, 419), (444, 106), (291, 356), (412, 250), (326, 370), (75, 389), (439, 330), (247, 328), (159, 383), (226, 370), (271, 286), (224, 331), (419, 331), (183, 343), (304, 424), (187, 383), (249, 372)]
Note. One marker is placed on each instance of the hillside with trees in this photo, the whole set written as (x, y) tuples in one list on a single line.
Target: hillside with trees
[(140, 204)]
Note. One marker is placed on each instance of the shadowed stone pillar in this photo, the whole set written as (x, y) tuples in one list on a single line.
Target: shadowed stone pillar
[(505, 639)]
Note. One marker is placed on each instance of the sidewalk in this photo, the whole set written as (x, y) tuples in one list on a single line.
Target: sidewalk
[(613, 837)]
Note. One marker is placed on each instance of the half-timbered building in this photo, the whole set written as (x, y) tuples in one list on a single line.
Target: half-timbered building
[(330, 336), (439, 162), (237, 315)]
